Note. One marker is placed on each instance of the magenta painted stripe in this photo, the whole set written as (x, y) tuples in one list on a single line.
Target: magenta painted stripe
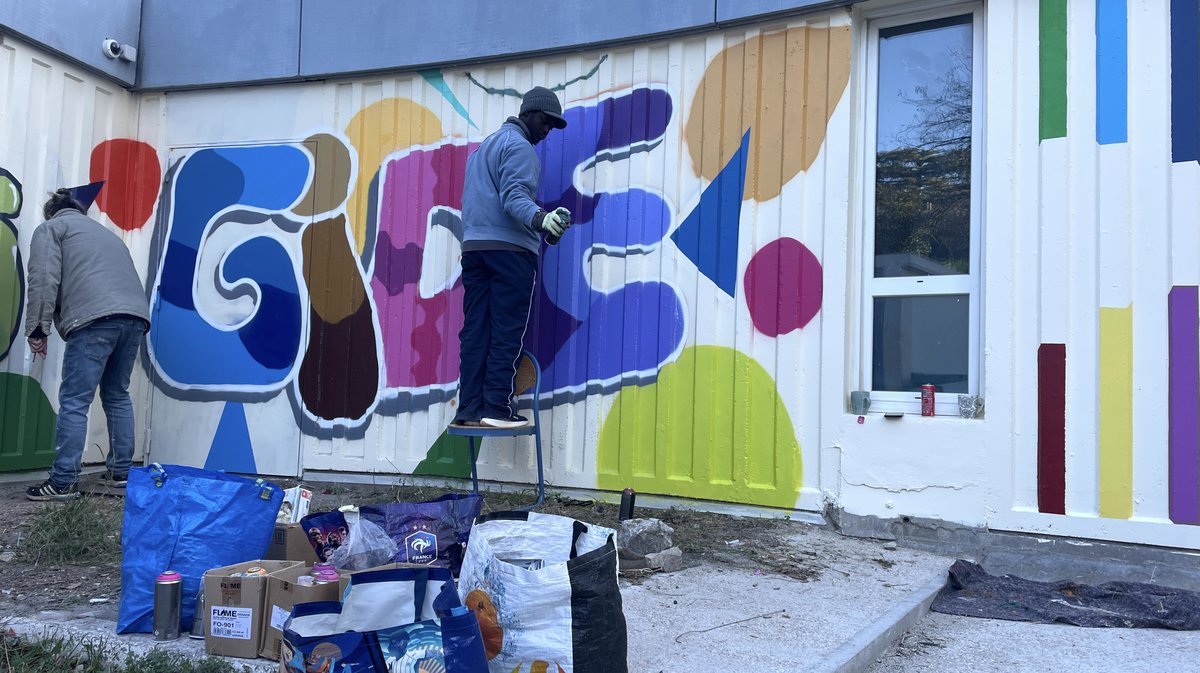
[(1183, 316)]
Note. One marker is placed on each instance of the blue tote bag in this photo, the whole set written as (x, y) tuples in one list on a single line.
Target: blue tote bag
[(188, 520), (404, 619), (434, 532)]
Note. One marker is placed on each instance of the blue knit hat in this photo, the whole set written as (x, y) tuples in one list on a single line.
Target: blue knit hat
[(539, 98)]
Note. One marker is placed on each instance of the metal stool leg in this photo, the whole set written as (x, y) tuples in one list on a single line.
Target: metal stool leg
[(474, 469)]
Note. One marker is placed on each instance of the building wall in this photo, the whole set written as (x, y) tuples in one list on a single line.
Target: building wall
[(202, 44), (325, 337), (57, 125), (701, 326), (1089, 322), (76, 30)]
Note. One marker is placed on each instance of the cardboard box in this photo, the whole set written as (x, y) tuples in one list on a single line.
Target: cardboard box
[(290, 543), (234, 608), (282, 594)]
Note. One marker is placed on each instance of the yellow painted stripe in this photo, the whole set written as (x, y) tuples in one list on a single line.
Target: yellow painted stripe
[(1116, 412)]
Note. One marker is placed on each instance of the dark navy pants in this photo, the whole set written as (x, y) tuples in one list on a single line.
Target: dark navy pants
[(498, 293)]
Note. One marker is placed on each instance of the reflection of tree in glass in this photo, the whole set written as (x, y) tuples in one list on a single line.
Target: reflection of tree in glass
[(923, 187)]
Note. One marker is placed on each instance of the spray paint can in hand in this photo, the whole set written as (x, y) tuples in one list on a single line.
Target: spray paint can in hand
[(565, 215), (168, 604)]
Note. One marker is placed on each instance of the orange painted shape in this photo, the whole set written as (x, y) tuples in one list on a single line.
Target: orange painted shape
[(376, 131), (784, 85)]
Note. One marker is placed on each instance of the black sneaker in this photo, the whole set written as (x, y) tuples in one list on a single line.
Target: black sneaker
[(507, 422), (48, 491), (111, 480)]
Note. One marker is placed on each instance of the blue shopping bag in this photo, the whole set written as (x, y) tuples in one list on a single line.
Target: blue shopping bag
[(405, 619), (188, 520), (433, 532)]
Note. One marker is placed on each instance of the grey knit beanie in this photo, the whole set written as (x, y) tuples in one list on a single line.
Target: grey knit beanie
[(539, 98)]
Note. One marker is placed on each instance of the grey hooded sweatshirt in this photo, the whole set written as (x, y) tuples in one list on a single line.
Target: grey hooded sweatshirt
[(79, 271)]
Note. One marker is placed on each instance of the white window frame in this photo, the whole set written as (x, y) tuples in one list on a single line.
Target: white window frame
[(946, 404)]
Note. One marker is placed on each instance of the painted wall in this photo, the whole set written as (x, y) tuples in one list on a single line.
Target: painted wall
[(76, 30), (58, 127), (1089, 329), (306, 295), (699, 328)]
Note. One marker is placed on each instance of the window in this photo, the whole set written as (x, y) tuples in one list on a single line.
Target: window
[(922, 208)]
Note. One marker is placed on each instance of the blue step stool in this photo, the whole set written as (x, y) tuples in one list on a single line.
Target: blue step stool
[(528, 380)]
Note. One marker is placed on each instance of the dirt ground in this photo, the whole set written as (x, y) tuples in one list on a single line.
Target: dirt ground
[(29, 584)]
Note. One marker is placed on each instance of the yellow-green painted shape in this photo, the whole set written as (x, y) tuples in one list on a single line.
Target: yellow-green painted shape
[(713, 427), (12, 290), (10, 196), (1116, 412)]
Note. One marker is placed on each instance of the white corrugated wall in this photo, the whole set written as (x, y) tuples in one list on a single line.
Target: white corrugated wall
[(52, 114)]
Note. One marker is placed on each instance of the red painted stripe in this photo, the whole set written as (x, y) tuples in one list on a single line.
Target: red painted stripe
[(1052, 429)]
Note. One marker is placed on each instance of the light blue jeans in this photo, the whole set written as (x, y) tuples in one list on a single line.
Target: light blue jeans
[(101, 353)]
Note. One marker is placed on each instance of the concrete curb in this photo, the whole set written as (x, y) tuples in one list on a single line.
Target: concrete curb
[(863, 649), (71, 625)]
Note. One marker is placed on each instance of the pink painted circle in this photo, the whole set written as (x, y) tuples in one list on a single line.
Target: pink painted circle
[(783, 287)]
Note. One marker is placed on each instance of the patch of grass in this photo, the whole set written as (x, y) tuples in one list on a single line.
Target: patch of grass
[(57, 654), (76, 532), (52, 655)]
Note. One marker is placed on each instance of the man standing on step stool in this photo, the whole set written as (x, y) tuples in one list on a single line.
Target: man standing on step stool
[(501, 240)]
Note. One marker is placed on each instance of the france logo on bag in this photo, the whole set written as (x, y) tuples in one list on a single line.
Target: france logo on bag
[(421, 547)]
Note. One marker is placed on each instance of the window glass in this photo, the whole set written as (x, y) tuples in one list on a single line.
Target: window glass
[(923, 149), (919, 340)]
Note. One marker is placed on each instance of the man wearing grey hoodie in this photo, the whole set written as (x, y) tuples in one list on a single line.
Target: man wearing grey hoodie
[(502, 233), (82, 281)]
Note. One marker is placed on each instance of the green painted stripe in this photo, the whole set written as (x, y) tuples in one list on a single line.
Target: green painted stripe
[(1052, 55)]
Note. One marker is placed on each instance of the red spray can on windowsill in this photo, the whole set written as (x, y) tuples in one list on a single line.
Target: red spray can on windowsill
[(927, 399)]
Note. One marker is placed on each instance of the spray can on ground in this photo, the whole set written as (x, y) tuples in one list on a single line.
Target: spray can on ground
[(326, 577), (168, 604), (627, 497), (200, 617)]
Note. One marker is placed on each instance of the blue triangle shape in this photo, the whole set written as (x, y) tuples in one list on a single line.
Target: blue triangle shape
[(709, 234), (231, 450)]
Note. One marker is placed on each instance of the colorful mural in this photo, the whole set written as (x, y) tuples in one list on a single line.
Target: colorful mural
[(302, 261), (131, 174), (327, 268), (691, 432), (1115, 320), (12, 272), (26, 416)]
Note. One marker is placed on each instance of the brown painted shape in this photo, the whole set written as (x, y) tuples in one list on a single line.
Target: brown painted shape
[(331, 175), (784, 86), (339, 376), (335, 285)]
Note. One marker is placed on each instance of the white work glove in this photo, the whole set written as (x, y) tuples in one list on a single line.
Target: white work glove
[(556, 222)]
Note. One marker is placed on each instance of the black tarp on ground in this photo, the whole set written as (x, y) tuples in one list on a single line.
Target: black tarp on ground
[(972, 592)]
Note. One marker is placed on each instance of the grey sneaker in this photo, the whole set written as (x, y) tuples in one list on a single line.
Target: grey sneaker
[(48, 491), (111, 480)]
